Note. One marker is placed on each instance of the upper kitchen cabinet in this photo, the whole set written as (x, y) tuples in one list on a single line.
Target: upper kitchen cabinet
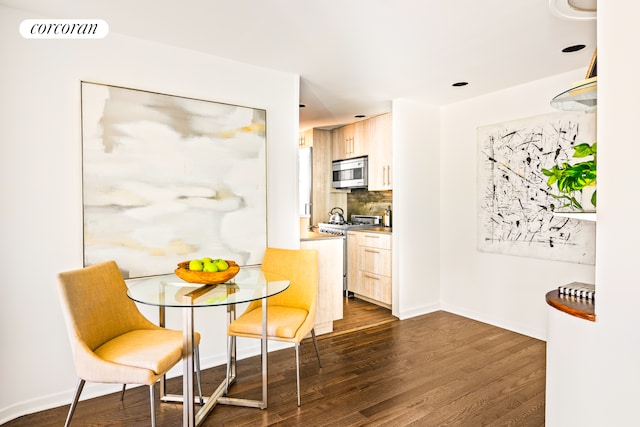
[(380, 153), (305, 139), (350, 141)]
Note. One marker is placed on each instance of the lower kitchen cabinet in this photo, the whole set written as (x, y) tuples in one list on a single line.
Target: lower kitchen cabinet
[(369, 274), (330, 262)]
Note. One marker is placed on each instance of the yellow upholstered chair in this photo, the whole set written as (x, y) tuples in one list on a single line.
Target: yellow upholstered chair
[(290, 314), (111, 341)]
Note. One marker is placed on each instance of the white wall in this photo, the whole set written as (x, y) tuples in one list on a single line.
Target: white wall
[(603, 356), (40, 169), (502, 290), (416, 214)]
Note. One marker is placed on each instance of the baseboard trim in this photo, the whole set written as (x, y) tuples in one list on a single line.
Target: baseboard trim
[(510, 326), (419, 311)]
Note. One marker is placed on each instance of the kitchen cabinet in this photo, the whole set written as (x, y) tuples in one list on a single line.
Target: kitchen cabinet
[(380, 153), (369, 266), (371, 137), (330, 259), (305, 139), (350, 141)]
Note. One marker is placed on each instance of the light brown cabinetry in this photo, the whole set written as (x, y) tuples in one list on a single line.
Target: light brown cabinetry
[(369, 266), (371, 137), (305, 139), (380, 153), (329, 306), (350, 141)]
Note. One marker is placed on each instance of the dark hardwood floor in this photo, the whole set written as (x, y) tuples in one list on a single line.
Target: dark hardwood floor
[(358, 314), (438, 369)]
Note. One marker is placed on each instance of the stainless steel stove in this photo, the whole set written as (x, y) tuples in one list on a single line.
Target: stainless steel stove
[(340, 229), (357, 221)]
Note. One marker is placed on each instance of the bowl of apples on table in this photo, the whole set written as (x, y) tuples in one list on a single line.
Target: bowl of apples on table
[(207, 271)]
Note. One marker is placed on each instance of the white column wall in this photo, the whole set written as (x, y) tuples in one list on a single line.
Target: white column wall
[(416, 213)]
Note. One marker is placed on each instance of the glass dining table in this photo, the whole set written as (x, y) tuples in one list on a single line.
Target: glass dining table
[(168, 290)]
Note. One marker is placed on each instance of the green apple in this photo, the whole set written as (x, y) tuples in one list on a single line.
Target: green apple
[(210, 267), (206, 260), (195, 265), (222, 265)]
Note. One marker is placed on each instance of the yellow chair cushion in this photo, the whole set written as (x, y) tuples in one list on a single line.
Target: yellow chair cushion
[(157, 350), (282, 322)]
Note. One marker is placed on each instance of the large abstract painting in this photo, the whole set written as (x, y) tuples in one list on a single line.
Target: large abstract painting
[(168, 178), (514, 202)]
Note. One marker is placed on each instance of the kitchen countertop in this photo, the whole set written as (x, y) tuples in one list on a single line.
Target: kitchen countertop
[(374, 229), (310, 235)]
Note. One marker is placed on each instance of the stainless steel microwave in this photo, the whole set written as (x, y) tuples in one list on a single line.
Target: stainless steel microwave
[(350, 173)]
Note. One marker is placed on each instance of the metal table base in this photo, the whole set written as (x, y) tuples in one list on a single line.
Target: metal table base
[(190, 417)]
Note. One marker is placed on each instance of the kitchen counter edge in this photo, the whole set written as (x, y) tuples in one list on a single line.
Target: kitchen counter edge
[(314, 235), (386, 230)]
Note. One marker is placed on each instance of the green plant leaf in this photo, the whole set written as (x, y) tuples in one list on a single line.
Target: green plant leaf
[(570, 179), (583, 150)]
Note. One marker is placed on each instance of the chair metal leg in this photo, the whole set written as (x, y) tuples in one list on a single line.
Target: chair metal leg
[(124, 387), (196, 355), (315, 343), (153, 406), (76, 397), (298, 372)]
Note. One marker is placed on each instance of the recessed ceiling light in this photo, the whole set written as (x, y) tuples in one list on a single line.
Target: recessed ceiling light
[(574, 48), (302, 105), (359, 116), (460, 84)]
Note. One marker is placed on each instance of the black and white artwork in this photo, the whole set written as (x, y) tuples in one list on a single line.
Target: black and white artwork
[(515, 205), (168, 179)]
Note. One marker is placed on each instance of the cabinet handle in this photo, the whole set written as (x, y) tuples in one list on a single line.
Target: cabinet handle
[(389, 175), (368, 276), (370, 251), (384, 175)]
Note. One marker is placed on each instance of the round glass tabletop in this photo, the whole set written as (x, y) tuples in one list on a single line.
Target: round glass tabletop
[(168, 290)]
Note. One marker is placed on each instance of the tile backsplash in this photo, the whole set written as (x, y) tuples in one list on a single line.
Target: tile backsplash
[(363, 202)]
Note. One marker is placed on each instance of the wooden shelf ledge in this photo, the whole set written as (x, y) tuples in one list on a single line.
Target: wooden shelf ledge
[(578, 307)]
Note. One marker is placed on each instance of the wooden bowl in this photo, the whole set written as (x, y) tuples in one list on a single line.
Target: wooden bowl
[(205, 278)]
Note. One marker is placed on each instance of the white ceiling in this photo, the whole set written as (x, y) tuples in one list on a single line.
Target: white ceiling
[(355, 56)]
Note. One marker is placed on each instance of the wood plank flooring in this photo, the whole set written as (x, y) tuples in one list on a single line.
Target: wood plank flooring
[(358, 314), (438, 369)]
